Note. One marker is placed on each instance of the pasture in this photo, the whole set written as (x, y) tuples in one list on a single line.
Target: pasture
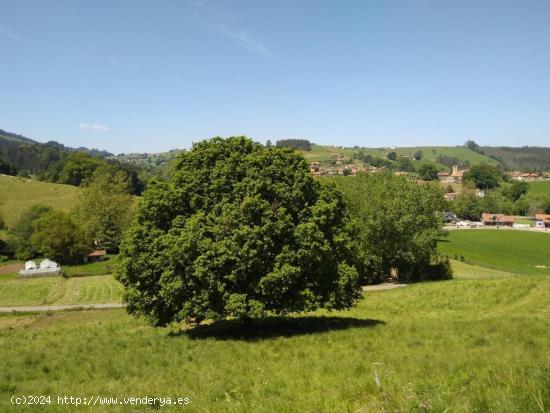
[(322, 153), (90, 283), (475, 343), (519, 252), (18, 194), (94, 289), (539, 189)]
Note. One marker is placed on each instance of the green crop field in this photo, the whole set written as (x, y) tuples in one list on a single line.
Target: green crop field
[(475, 343), (58, 290), (18, 194), (519, 252)]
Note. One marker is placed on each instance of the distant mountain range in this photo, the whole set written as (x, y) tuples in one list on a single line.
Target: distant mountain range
[(9, 138), (29, 155)]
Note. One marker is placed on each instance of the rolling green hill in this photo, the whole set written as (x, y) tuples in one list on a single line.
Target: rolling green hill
[(320, 153), (524, 158), (18, 194), (14, 138)]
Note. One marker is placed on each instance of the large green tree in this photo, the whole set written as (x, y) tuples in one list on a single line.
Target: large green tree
[(483, 176), (515, 190), (58, 236), (105, 207), (428, 172), (400, 225), (239, 230), (19, 236), (79, 167)]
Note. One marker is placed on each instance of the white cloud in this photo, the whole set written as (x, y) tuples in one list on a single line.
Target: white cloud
[(94, 127), (244, 40)]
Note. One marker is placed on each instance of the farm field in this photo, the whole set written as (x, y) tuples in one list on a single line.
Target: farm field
[(18, 194), (474, 343), (519, 252), (94, 289)]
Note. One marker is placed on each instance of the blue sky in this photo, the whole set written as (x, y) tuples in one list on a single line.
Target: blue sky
[(149, 76)]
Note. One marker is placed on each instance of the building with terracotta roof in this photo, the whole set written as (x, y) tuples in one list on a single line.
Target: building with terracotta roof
[(497, 220), (96, 255), (542, 221)]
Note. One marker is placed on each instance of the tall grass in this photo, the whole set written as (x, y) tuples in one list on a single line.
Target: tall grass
[(58, 290), (18, 194), (465, 345)]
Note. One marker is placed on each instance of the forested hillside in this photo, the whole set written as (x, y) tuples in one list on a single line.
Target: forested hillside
[(57, 163), (531, 158)]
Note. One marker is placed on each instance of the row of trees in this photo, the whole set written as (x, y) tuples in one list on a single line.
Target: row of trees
[(298, 144), (239, 230), (510, 198), (54, 162), (369, 159), (102, 213), (78, 168)]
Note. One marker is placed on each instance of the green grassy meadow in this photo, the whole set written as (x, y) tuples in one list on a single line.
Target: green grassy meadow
[(477, 343), (93, 289), (466, 345), (519, 252), (322, 153), (18, 194), (90, 283), (92, 268)]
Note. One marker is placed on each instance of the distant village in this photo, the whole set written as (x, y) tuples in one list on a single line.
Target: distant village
[(343, 167), (454, 176)]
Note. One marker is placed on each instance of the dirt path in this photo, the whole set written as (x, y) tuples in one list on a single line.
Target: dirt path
[(11, 268), (382, 287), (40, 308)]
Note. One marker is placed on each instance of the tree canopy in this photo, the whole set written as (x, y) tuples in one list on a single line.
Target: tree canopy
[(6, 168), (19, 237), (515, 190), (105, 207), (399, 225), (57, 235), (300, 144), (428, 172), (238, 230), (483, 176)]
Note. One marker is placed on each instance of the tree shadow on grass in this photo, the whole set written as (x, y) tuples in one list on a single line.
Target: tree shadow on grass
[(273, 327)]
